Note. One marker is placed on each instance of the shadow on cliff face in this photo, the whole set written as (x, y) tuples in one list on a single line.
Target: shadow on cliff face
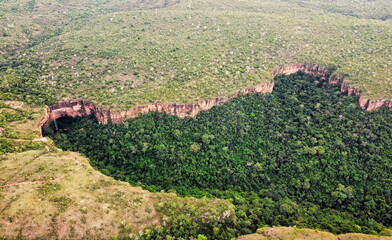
[(62, 125)]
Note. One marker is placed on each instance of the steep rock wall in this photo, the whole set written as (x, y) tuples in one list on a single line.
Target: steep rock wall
[(307, 68), (364, 102), (81, 108)]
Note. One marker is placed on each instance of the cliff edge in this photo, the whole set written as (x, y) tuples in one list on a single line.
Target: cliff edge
[(104, 116)]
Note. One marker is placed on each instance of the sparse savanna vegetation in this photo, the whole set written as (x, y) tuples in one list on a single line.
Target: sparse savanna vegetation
[(380, 10), (186, 52), (82, 202)]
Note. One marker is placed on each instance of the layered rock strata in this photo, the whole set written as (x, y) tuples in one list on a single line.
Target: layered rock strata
[(81, 108), (364, 102)]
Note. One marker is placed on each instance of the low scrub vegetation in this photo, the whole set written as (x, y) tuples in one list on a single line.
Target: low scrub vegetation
[(50, 194), (183, 53)]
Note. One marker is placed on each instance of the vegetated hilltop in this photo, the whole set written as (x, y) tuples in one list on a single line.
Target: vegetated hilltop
[(381, 9), (196, 50), (51, 194), (25, 23)]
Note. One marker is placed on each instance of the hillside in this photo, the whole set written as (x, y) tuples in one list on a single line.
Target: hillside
[(381, 10), (192, 51), (51, 194), (26, 23)]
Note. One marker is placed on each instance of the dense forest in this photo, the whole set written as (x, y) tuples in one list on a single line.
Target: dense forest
[(305, 155)]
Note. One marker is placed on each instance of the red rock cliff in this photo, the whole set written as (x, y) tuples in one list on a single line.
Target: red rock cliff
[(307, 68), (364, 102), (81, 108)]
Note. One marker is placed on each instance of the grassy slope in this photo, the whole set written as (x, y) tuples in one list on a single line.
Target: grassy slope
[(183, 54), (25, 22), (381, 9), (85, 203), (289, 233)]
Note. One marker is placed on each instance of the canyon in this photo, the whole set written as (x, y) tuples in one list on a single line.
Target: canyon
[(104, 116)]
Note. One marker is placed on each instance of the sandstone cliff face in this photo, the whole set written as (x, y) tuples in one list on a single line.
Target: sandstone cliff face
[(307, 68), (81, 108), (364, 102)]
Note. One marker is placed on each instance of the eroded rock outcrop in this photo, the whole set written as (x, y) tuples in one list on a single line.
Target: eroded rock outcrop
[(306, 68), (365, 103), (81, 108)]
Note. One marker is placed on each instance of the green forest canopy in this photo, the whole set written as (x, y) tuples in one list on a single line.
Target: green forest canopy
[(305, 155)]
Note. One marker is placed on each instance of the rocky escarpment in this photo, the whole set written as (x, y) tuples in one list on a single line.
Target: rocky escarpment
[(81, 108), (365, 103)]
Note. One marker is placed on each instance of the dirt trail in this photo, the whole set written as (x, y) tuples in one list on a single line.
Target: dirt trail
[(17, 140), (51, 180), (44, 140)]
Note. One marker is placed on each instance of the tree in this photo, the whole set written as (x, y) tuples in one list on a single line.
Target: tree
[(195, 147)]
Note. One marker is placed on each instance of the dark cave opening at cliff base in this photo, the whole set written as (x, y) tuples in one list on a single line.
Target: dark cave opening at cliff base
[(61, 125), (305, 146)]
